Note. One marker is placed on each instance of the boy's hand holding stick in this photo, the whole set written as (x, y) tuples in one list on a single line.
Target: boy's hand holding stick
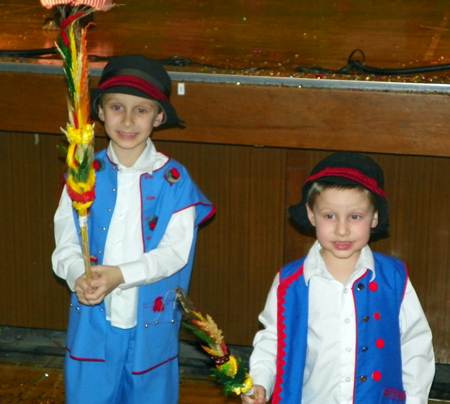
[(228, 371)]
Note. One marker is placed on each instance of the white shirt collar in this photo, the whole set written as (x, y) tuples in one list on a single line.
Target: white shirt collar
[(147, 162), (315, 265)]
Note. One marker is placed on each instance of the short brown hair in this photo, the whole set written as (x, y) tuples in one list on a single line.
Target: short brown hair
[(318, 187)]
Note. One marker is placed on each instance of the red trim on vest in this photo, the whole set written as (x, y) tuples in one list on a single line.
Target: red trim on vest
[(135, 82), (351, 174), (281, 354)]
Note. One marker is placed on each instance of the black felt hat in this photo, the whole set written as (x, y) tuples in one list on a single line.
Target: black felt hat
[(345, 168), (139, 76)]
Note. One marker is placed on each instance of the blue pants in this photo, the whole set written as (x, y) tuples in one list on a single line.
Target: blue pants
[(112, 381)]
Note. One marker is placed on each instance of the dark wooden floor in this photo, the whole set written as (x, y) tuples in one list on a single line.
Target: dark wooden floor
[(254, 33), (37, 385)]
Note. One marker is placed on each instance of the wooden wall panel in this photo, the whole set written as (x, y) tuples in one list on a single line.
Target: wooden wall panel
[(418, 192), (272, 116), (241, 249), (32, 170), (29, 293)]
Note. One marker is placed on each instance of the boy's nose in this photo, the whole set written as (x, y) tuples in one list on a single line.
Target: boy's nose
[(342, 227), (127, 119)]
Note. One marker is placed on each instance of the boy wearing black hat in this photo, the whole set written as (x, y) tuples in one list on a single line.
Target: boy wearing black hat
[(343, 325), (123, 329)]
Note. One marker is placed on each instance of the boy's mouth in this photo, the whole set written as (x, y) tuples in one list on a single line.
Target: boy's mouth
[(342, 245), (127, 134)]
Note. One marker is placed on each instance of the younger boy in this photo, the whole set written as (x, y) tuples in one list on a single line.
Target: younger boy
[(123, 329), (343, 325)]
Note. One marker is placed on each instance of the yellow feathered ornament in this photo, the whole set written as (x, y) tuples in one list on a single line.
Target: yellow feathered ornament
[(228, 371), (80, 182)]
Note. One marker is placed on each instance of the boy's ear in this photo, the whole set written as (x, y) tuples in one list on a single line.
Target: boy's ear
[(101, 113), (310, 215), (159, 119), (375, 220)]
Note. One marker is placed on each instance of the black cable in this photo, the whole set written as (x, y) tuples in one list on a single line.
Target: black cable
[(359, 66), (39, 53), (183, 61), (28, 53)]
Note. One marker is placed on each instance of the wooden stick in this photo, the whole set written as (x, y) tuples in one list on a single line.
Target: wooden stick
[(85, 244)]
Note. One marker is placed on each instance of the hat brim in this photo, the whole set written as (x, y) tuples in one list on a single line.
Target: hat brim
[(171, 117)]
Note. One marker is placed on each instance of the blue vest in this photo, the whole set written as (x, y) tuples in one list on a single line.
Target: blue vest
[(378, 373), (163, 193)]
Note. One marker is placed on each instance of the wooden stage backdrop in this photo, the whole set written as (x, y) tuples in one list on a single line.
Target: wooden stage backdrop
[(249, 149)]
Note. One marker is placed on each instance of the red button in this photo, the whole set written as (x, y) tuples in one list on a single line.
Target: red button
[(376, 376), (373, 286)]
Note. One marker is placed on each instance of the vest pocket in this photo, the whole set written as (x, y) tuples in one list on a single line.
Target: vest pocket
[(390, 395), (86, 333), (161, 310)]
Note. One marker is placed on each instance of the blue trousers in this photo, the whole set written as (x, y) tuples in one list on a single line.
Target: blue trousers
[(112, 381)]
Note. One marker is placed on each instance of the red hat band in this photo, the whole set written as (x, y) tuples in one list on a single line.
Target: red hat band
[(351, 174), (135, 82)]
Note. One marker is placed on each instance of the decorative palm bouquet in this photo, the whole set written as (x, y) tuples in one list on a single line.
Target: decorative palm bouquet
[(228, 370)]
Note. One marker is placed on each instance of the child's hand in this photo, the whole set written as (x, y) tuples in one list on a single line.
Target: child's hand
[(104, 280), (260, 393)]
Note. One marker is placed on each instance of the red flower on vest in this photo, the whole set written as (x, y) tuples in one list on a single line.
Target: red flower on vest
[(172, 176), (98, 165), (159, 305), (152, 222)]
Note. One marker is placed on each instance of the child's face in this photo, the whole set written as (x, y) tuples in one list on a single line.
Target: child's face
[(343, 219), (129, 121)]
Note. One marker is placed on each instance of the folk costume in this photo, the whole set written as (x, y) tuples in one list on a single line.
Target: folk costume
[(171, 205), (365, 342), (144, 219), (366, 366)]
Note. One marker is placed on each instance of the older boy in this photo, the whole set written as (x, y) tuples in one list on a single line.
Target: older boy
[(343, 325), (123, 330)]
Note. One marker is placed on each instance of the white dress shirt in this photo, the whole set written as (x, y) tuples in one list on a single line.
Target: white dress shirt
[(124, 241), (330, 359)]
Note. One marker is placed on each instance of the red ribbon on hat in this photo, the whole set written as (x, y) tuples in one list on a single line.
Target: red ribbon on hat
[(351, 174), (140, 84)]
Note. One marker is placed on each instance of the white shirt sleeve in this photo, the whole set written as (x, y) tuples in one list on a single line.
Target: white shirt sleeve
[(67, 258), (418, 361), (171, 255), (263, 358)]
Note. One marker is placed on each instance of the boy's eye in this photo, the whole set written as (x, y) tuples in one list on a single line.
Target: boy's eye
[(355, 217), (329, 216), (115, 107), (141, 110)]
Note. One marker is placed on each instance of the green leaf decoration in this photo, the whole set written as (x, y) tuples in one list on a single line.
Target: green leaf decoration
[(229, 382), (200, 334)]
